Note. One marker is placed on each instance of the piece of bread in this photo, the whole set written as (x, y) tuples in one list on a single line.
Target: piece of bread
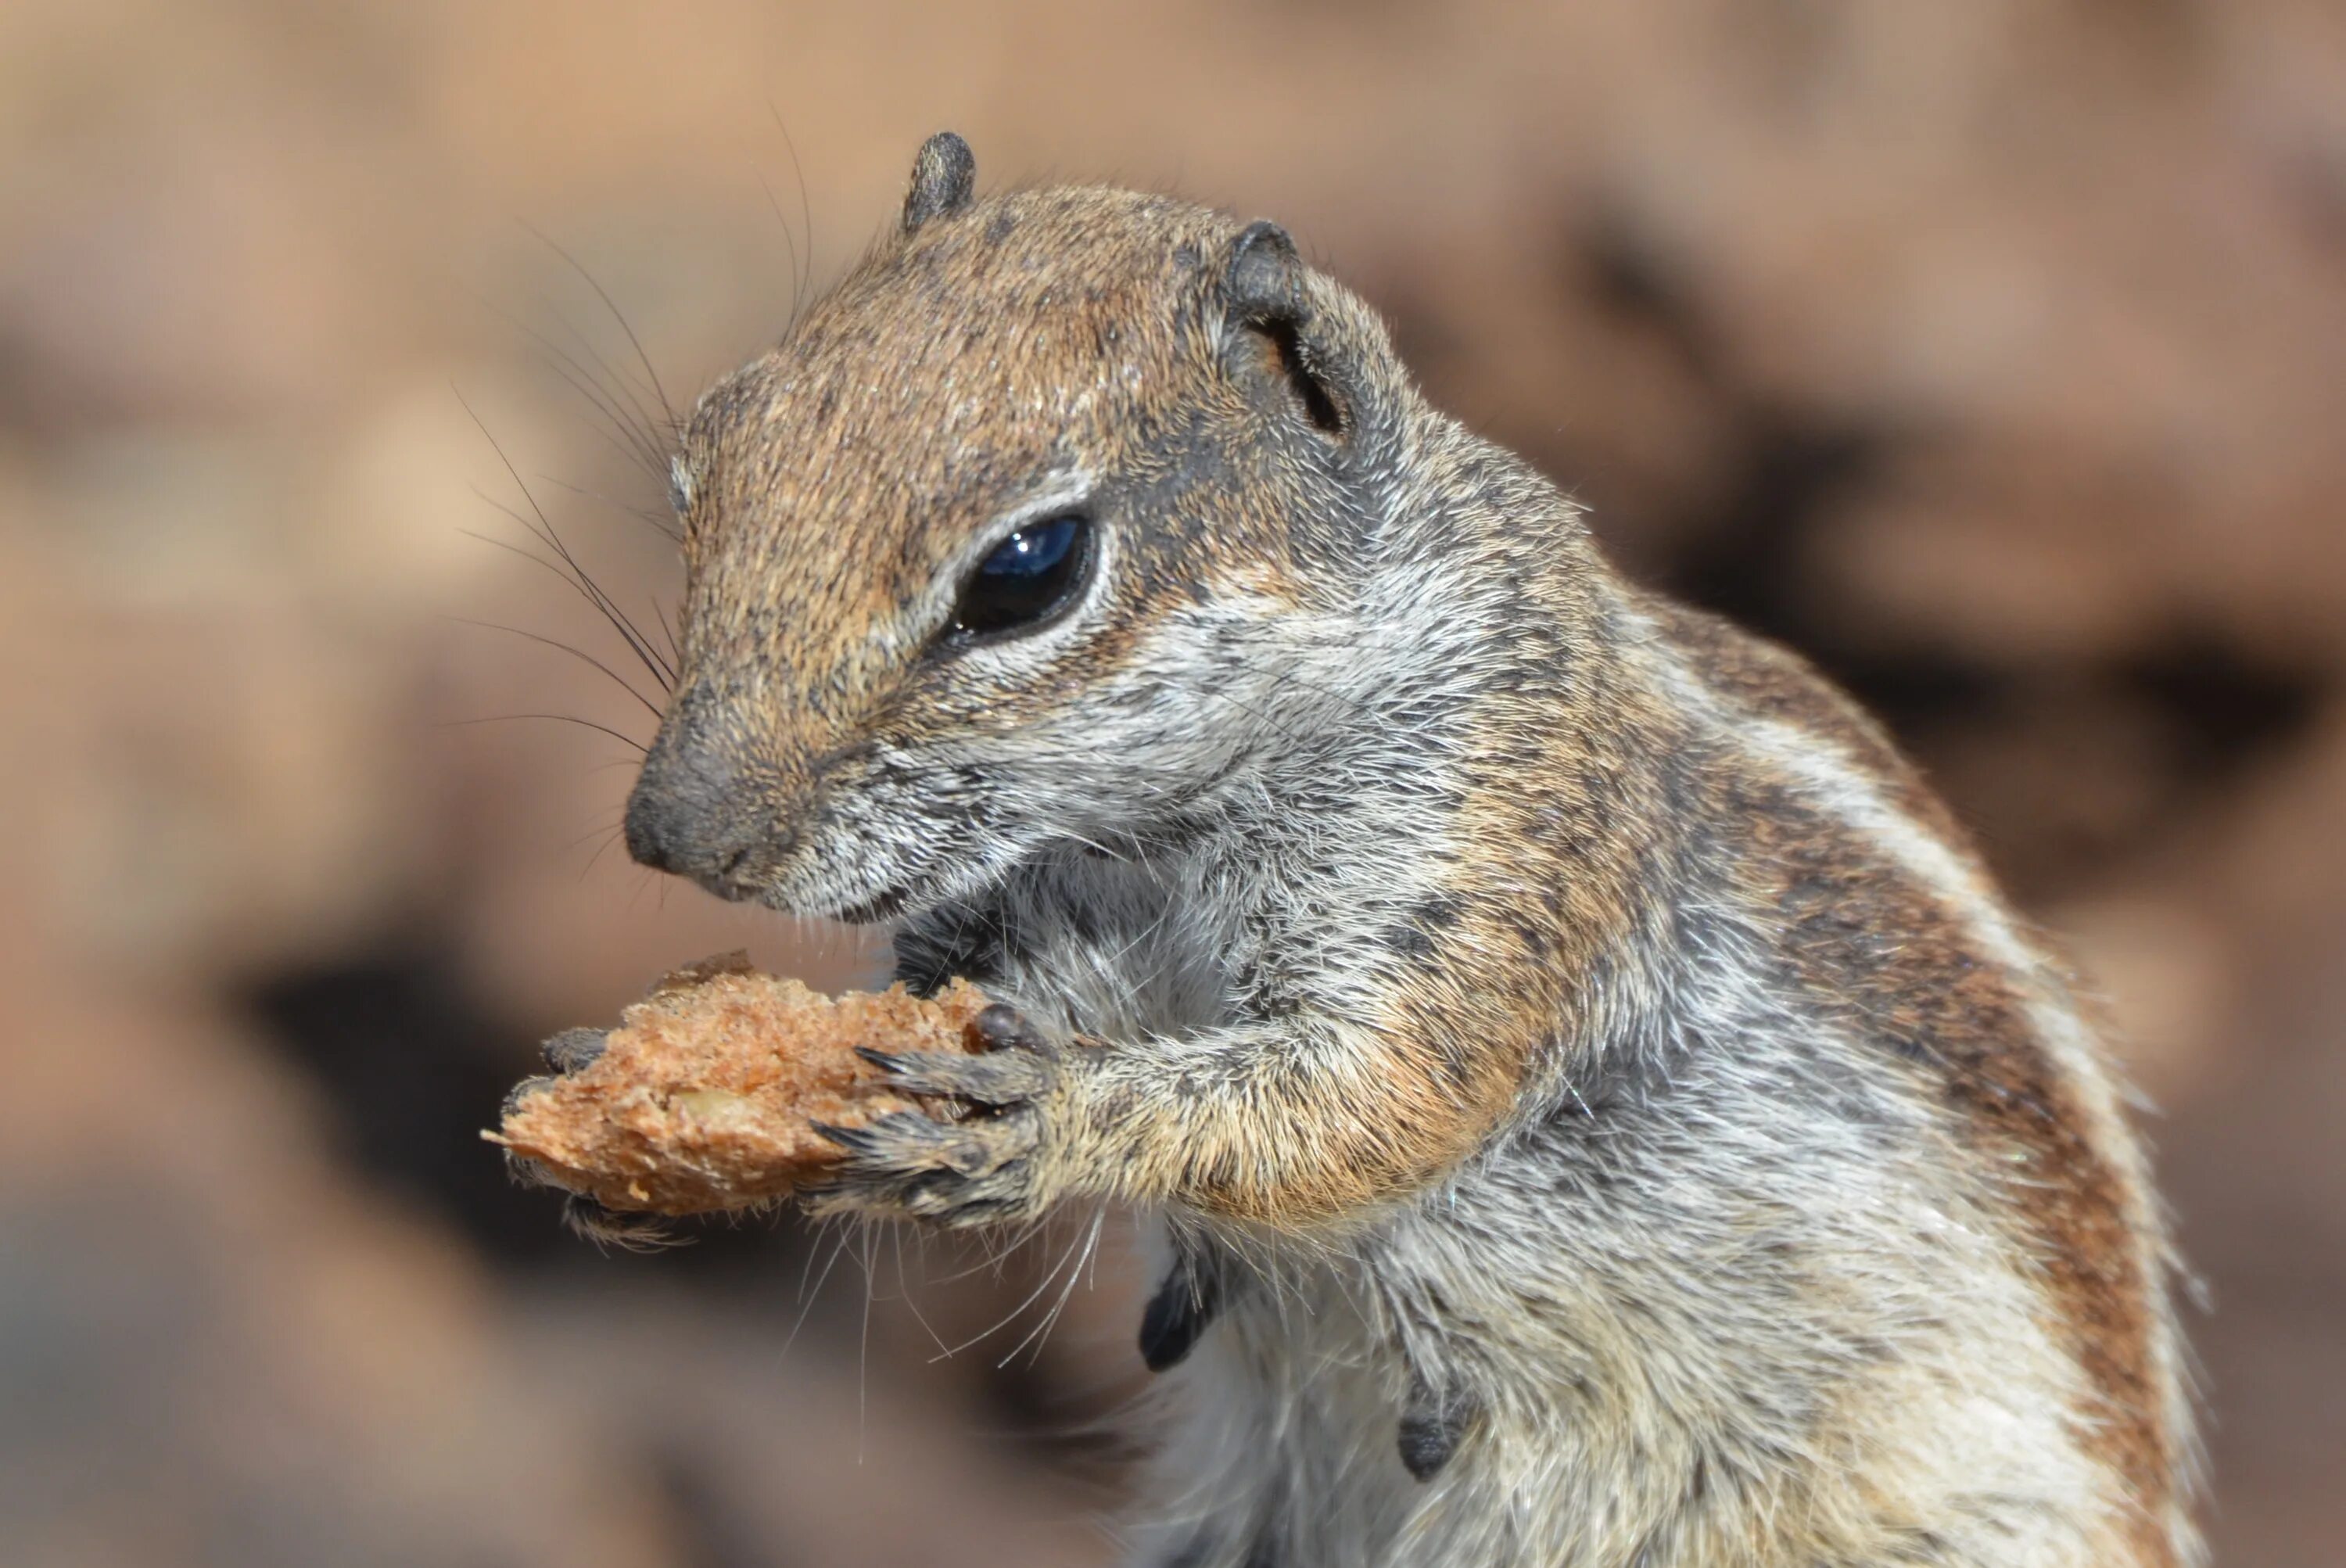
[(702, 1099)]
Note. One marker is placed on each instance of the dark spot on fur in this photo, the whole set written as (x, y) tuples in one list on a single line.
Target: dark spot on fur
[(968, 944), (1407, 940), (1432, 1428), (1438, 913), (1181, 1310), (999, 227)]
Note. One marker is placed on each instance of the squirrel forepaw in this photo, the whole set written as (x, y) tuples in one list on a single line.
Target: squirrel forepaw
[(972, 1155)]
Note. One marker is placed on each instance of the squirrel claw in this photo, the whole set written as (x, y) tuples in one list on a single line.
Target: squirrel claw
[(854, 1140), (565, 1052), (950, 1172), (1004, 1078), (971, 1158), (573, 1049), (608, 1228)]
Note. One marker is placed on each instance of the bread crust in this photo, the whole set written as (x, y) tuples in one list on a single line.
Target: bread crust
[(706, 1097)]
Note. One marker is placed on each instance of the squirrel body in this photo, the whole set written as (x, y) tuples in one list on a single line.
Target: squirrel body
[(1599, 1109)]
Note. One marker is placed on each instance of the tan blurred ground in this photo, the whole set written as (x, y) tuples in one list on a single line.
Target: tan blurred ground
[(1994, 352)]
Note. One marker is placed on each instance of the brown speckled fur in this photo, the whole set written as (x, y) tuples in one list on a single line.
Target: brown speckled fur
[(1597, 1108)]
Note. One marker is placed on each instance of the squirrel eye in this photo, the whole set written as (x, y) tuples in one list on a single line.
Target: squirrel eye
[(1029, 575)]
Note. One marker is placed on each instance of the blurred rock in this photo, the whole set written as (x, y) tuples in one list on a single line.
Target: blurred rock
[(216, 1350)]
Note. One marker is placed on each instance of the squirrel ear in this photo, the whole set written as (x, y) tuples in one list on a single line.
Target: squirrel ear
[(1265, 276), (1265, 285), (944, 173)]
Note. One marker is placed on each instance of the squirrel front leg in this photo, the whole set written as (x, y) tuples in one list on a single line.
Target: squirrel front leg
[(1283, 1122)]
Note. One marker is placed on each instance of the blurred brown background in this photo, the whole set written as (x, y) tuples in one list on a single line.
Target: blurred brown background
[(1993, 352)]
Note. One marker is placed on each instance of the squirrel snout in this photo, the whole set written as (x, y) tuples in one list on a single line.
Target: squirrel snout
[(688, 816)]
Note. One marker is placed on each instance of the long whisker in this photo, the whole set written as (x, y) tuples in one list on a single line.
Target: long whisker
[(531, 556), (579, 653), (863, 1346), (602, 824), (633, 342), (668, 630), (1008, 1318), (906, 1294), (582, 589), (630, 741), (806, 208), (1040, 1334), (650, 429), (789, 240), (544, 531), (988, 1259), (634, 438), (809, 1298), (610, 837), (658, 518)]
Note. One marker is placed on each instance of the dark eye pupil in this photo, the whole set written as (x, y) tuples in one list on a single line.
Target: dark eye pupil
[(1027, 577)]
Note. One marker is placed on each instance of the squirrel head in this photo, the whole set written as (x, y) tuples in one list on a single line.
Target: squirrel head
[(1007, 544)]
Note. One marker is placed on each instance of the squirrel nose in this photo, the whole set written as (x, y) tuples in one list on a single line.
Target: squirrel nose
[(686, 815)]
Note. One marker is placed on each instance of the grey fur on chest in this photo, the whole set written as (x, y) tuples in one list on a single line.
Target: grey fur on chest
[(1147, 942)]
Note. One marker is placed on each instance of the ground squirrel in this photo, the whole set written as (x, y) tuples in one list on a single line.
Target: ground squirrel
[(1597, 1108)]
